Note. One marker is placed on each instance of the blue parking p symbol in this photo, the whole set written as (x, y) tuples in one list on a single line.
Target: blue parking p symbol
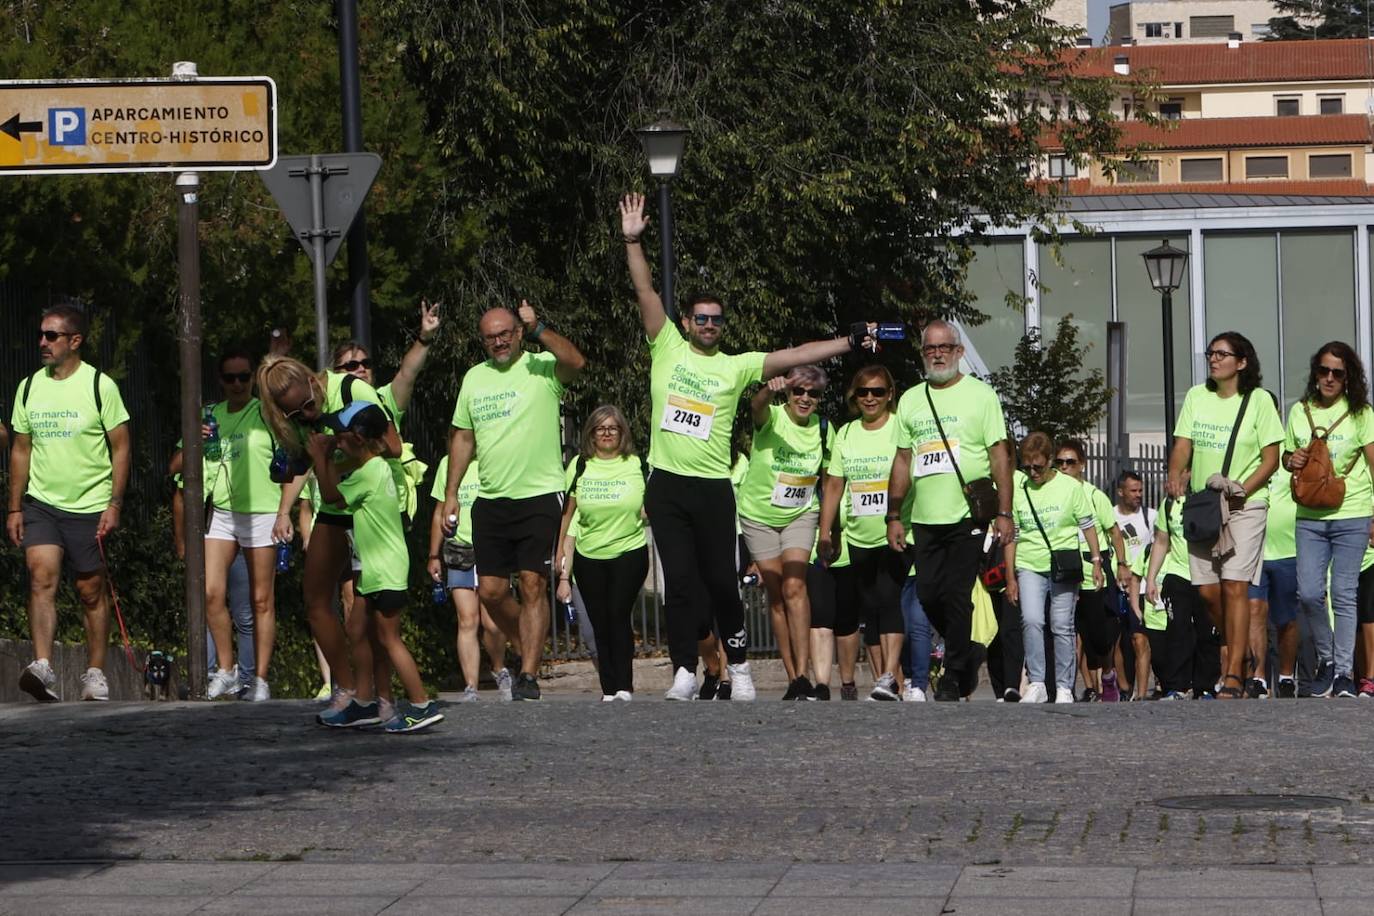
[(67, 126)]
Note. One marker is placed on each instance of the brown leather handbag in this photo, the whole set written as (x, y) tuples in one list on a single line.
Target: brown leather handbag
[(1315, 485)]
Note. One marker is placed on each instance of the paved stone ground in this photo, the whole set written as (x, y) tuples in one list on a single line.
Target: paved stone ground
[(971, 795)]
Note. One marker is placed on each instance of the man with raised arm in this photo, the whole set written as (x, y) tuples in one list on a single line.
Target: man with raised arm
[(694, 392)]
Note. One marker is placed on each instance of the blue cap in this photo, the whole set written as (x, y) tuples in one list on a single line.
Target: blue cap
[(363, 417)]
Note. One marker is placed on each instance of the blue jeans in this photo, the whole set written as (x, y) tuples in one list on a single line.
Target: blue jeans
[(1337, 546), (1037, 593), (239, 596), (916, 649)]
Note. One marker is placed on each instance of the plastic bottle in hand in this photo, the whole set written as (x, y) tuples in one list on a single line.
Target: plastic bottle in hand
[(283, 556), (439, 593), (212, 442)]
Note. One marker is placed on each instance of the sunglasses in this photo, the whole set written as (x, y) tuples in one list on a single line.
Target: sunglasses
[(51, 336), (870, 392), (353, 365), (941, 348), (307, 404), (1218, 354), (230, 378), (813, 393), (1065, 462), (1034, 468), (1337, 374), (714, 320)]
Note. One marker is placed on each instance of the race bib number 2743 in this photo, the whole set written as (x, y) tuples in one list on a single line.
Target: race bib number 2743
[(688, 417)]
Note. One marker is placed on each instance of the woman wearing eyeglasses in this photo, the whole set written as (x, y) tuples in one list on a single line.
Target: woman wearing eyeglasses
[(294, 403), (856, 491), (1331, 541), (1050, 510), (611, 558), (1214, 414), (242, 502), (779, 512)]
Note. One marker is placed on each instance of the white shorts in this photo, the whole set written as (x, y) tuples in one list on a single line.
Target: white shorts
[(249, 529)]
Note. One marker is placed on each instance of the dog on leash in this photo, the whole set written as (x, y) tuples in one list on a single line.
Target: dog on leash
[(158, 675)]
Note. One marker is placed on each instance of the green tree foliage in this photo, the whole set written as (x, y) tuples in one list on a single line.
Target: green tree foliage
[(1045, 389), (1299, 19)]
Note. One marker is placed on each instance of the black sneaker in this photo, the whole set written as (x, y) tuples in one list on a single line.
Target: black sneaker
[(1011, 695), (805, 691), (793, 690), (526, 687), (821, 692), (849, 691), (723, 691), (710, 685), (1256, 689), (1090, 696), (947, 690), (1288, 688)]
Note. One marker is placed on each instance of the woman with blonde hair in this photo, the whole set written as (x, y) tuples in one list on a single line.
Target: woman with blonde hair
[(294, 402), (611, 558)]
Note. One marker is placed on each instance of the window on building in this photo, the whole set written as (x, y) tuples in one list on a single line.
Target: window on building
[(1259, 30), (1209, 169), (1328, 165), (1331, 104), (1211, 26), (1178, 30), (1154, 30), (1266, 167), (1126, 107), (1287, 106), (1143, 172), (1063, 167), (1171, 110)]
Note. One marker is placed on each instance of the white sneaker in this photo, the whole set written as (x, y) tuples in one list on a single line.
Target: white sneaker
[(885, 689), (1035, 693), (224, 682), (684, 686), (912, 695), (608, 698), (39, 681), (503, 683), (1063, 695), (469, 695), (94, 686), (624, 696), (257, 692), (743, 690)]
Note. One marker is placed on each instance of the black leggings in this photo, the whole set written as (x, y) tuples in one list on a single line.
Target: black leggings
[(833, 606), (609, 589), (1192, 645), (879, 574), (693, 521), (947, 558)]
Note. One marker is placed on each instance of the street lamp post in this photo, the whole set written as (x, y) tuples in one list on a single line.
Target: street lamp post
[(1166, 265), (663, 142)]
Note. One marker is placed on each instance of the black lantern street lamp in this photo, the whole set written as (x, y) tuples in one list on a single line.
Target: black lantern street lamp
[(663, 142), (1166, 266)]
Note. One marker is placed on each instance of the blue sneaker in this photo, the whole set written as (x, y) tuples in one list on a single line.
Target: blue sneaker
[(1321, 683), (412, 718), (354, 715), (1174, 695)]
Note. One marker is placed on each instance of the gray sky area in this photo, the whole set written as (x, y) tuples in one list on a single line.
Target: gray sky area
[(1097, 18)]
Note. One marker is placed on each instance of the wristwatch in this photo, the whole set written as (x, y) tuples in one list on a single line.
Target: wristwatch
[(1006, 515), (539, 328), (892, 517)]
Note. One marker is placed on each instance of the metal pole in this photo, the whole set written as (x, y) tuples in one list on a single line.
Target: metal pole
[(665, 231), (359, 272), (317, 243), (1167, 300)]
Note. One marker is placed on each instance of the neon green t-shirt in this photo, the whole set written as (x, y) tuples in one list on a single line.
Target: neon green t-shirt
[(1345, 442), (1153, 617), (1104, 519), (863, 457), (1208, 419), (241, 481), (512, 411), (1169, 519), (1063, 507), (70, 467), (1280, 534), (467, 495), (693, 398), (388, 399), (973, 421), (369, 493), (784, 470), (358, 390), (610, 500)]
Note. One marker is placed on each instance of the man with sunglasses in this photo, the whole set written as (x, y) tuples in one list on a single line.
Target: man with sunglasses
[(69, 464), (507, 412), (968, 442), (694, 390)]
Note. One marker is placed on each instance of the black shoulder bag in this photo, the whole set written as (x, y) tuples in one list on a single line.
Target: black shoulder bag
[(1202, 508), (1066, 566), (980, 494)]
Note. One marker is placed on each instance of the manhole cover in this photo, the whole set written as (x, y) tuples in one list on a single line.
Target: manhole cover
[(1252, 802)]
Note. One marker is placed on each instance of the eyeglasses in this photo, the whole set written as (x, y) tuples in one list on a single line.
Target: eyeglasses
[(1065, 462), (307, 404), (870, 392), (51, 336), (714, 320), (1034, 468), (607, 430), (500, 336), (353, 365), (943, 349), (229, 378), (812, 393), (1218, 354), (1337, 374)]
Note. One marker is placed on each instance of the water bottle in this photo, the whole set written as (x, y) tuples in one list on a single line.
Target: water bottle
[(749, 579), (570, 612), (283, 556), (891, 330), (280, 468), (212, 443), (439, 593)]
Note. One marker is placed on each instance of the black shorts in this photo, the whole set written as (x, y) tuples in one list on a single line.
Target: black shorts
[(1364, 597), (344, 521), (74, 532), (387, 600), (510, 535)]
